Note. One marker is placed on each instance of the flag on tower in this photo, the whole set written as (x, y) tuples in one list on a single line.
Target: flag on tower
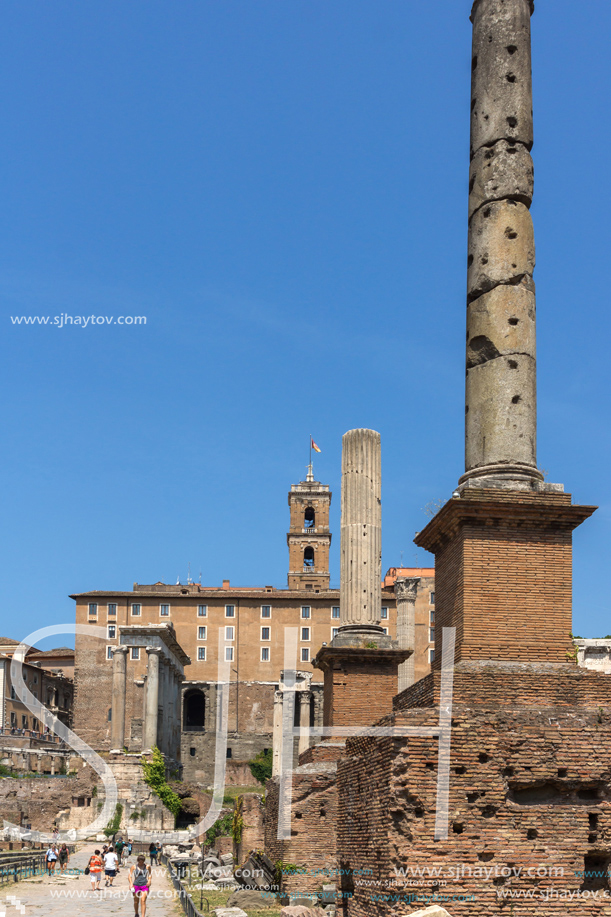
[(314, 446)]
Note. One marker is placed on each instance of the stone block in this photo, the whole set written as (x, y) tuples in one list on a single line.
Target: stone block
[(250, 899), (501, 88), (501, 322), (501, 247), (229, 912), (503, 427), (503, 171), (300, 910)]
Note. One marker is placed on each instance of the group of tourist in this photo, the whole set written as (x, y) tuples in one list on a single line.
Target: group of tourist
[(110, 858), (57, 855)]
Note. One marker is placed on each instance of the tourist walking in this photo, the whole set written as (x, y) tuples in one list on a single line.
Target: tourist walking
[(94, 866), (140, 884), (119, 845), (51, 857), (64, 858), (153, 853), (111, 864)]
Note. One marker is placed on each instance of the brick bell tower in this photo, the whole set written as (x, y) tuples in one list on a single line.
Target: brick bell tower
[(309, 538)]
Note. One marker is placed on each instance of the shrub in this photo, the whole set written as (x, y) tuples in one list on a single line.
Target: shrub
[(261, 766), (154, 776)]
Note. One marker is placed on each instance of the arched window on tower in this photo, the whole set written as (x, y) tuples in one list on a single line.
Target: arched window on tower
[(194, 711), (308, 522), (308, 557)]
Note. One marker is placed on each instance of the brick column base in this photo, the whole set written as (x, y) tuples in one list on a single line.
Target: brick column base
[(503, 573), (359, 683)]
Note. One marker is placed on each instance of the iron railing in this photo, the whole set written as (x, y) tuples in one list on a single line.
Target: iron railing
[(186, 901), (17, 868)]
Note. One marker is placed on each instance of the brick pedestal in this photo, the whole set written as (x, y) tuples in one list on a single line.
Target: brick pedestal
[(359, 683), (503, 568)]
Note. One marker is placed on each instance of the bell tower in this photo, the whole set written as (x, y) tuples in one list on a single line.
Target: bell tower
[(309, 538)]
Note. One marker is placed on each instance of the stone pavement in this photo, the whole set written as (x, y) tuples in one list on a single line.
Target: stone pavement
[(71, 896)]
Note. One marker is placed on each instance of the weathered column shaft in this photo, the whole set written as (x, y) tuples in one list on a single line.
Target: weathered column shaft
[(361, 528), (277, 734), (119, 668), (149, 733), (406, 590), (305, 699), (500, 404)]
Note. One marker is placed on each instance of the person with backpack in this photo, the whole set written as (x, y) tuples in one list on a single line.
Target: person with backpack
[(95, 866), (119, 845), (140, 884), (111, 865)]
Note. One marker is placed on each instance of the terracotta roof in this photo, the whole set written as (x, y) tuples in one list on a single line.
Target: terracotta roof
[(60, 651)]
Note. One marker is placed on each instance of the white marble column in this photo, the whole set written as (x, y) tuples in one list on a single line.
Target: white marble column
[(277, 734), (406, 590), (361, 529), (119, 669), (305, 698), (149, 732)]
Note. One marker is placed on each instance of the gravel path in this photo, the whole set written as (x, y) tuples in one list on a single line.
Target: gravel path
[(71, 896)]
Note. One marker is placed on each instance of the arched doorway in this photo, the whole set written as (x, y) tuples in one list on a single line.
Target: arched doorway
[(194, 716)]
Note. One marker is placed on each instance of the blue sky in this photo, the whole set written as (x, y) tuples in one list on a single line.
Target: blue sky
[(281, 189)]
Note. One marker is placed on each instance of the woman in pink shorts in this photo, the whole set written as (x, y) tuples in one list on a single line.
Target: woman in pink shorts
[(140, 884)]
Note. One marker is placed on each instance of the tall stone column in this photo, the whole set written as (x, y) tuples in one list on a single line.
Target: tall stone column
[(361, 529), (501, 399), (119, 669), (305, 699), (277, 734), (360, 665), (406, 590), (149, 733)]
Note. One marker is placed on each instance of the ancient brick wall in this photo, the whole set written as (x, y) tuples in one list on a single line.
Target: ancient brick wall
[(529, 812), (252, 812), (313, 827), (488, 682)]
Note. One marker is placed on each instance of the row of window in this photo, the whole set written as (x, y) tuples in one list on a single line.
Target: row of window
[(202, 611), (24, 722)]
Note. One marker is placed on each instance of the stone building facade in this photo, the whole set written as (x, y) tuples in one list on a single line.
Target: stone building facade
[(26, 744)]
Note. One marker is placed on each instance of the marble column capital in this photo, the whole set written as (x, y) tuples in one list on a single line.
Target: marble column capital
[(406, 588), (117, 650)]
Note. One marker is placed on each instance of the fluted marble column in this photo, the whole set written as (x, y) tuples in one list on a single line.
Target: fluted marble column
[(305, 698), (501, 398), (406, 590), (361, 529), (149, 734), (277, 734), (119, 669)]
